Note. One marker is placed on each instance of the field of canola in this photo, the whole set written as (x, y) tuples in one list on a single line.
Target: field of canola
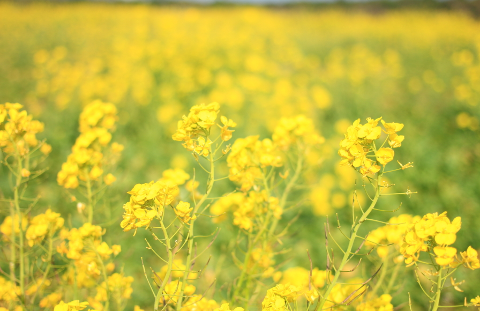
[(153, 63)]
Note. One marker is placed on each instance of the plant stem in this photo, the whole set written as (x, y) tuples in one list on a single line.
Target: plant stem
[(348, 252), (16, 199), (439, 290), (89, 197), (169, 268), (188, 263)]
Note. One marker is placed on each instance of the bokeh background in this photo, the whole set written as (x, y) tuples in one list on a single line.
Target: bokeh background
[(417, 64)]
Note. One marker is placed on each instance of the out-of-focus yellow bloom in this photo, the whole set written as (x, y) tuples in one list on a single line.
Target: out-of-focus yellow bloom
[(50, 300), (97, 121), (226, 307), (43, 224), (172, 290), (9, 292), (299, 129), (18, 129), (248, 156), (109, 179), (381, 303), (7, 225), (476, 301)]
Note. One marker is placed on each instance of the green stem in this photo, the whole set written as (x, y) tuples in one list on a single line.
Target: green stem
[(286, 192), (238, 286), (49, 261), (104, 272), (16, 199), (169, 268), (439, 290), (188, 263), (348, 252), (89, 197)]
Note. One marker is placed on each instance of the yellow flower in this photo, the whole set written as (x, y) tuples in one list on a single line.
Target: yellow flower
[(445, 255), (46, 148), (392, 128), (182, 210), (476, 301), (109, 179), (226, 132), (470, 258), (25, 173), (384, 155), (71, 306)]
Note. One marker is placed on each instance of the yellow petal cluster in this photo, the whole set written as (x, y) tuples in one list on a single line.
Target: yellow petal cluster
[(432, 229), (85, 247), (9, 292), (118, 286), (172, 290), (50, 300), (278, 297), (183, 210), (18, 130), (391, 234), (97, 122), (299, 129), (382, 303), (146, 202), (247, 158), (43, 224), (194, 129), (470, 258), (201, 303), (358, 146), (226, 307), (71, 306), (7, 226)]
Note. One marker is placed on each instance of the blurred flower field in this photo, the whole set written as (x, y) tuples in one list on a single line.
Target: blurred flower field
[(417, 67)]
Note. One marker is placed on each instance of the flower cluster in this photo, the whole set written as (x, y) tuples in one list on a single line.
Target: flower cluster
[(71, 306), (43, 224), (18, 130), (246, 207), (97, 122), (436, 233), (226, 307), (299, 129), (7, 226), (381, 303), (119, 286), (147, 201), (391, 234), (194, 129), (300, 277), (278, 297), (248, 157), (172, 290), (359, 144), (201, 303), (88, 252), (9, 292)]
